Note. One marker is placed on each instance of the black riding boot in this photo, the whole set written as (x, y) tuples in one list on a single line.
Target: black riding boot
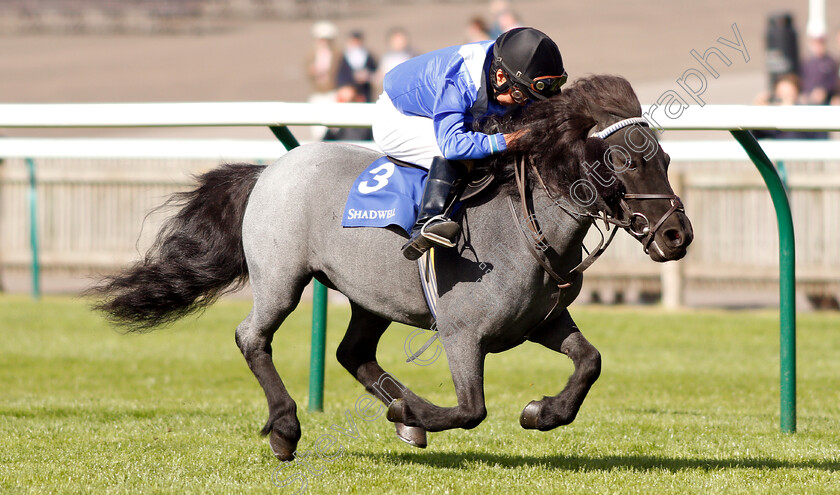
[(432, 228)]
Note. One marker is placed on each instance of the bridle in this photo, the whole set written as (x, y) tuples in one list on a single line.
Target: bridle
[(645, 234), (538, 245)]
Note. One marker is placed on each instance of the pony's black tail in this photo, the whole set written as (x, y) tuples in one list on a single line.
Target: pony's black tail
[(196, 257)]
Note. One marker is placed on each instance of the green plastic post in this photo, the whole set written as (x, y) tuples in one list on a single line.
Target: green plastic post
[(787, 278), (33, 229), (318, 347), (285, 136)]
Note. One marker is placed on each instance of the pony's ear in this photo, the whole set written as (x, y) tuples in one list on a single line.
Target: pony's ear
[(600, 173)]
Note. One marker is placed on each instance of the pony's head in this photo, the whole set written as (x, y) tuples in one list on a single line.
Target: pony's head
[(593, 148)]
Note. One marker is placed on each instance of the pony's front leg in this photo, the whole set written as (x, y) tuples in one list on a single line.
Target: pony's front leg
[(466, 364), (562, 335)]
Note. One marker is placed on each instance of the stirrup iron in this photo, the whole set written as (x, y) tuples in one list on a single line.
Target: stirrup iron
[(437, 239)]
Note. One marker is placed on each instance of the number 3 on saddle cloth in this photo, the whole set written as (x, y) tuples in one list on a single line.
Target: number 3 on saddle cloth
[(388, 194), (385, 194)]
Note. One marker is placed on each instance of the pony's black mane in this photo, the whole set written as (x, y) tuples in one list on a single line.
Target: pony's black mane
[(557, 131)]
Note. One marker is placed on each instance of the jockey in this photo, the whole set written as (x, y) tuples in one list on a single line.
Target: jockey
[(425, 114)]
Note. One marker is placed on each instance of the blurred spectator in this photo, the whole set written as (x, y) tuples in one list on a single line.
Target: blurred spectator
[(349, 94), (786, 92), (399, 50), (508, 20), (504, 18), (836, 99), (323, 60), (357, 66), (782, 45), (819, 73), (322, 68), (477, 30)]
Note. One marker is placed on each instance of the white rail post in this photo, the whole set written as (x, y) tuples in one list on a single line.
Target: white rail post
[(672, 280)]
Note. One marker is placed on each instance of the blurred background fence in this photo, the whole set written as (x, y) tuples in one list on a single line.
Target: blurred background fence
[(93, 216), (734, 257)]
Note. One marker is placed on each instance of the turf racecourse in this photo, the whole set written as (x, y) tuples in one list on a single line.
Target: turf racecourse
[(687, 403)]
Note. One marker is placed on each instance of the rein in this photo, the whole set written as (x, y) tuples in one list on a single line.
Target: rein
[(537, 244)]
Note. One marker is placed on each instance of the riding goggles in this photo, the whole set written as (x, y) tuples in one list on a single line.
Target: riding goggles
[(540, 87)]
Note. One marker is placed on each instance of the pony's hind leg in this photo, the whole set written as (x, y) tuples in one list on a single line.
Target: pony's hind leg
[(254, 336), (357, 353), (563, 336)]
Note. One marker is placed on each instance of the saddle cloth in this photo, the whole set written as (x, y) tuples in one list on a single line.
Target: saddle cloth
[(385, 194)]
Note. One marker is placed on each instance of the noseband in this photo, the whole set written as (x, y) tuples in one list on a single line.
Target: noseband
[(646, 234)]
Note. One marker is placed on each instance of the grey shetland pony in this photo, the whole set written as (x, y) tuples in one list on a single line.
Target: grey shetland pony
[(279, 226)]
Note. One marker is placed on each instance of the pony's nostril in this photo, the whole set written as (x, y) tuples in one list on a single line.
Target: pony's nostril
[(674, 238)]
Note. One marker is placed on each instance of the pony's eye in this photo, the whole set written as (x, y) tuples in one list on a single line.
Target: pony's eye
[(629, 165)]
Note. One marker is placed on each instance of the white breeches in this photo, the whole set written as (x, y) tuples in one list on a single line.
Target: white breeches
[(406, 137)]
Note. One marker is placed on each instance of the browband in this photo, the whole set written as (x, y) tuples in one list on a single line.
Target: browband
[(620, 125)]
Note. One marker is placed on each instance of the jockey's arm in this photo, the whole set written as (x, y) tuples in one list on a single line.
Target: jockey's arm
[(453, 136)]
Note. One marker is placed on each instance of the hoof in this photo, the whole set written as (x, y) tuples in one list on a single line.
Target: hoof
[(282, 448), (530, 415), (396, 411), (412, 435)]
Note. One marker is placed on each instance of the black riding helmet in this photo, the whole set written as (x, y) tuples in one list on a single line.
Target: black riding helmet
[(531, 62)]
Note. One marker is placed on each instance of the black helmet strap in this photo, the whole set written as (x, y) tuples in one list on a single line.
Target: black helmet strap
[(497, 64), (498, 88)]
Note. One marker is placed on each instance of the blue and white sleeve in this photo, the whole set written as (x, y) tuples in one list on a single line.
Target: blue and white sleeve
[(454, 138)]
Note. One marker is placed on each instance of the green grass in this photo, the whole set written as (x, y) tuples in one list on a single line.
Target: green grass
[(688, 402)]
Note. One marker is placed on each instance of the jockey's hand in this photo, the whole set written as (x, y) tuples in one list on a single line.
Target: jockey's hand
[(511, 138)]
